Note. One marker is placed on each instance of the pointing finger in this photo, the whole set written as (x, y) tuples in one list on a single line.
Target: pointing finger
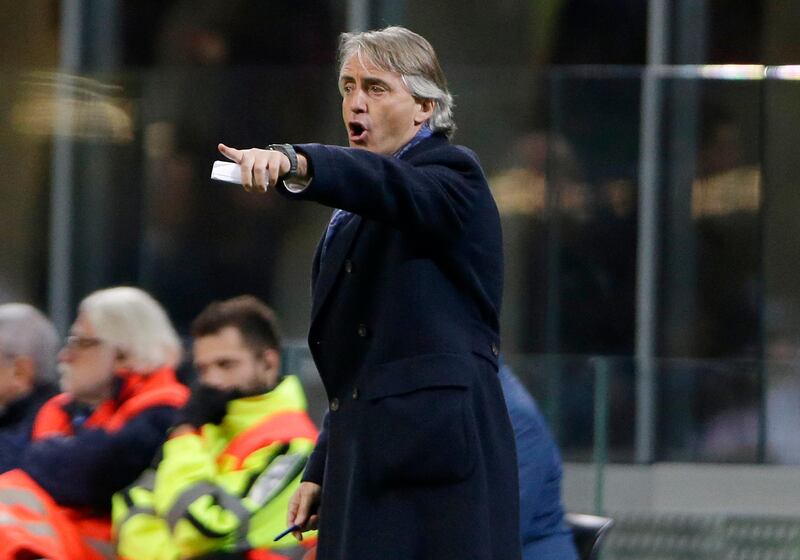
[(231, 153)]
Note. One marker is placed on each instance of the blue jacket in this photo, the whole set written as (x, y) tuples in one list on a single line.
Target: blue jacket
[(416, 458), (544, 534)]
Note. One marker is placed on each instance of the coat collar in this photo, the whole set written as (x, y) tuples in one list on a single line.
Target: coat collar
[(433, 141)]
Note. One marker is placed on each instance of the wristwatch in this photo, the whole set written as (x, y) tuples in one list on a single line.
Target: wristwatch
[(288, 151)]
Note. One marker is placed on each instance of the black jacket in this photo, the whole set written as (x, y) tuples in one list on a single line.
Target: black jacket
[(416, 458)]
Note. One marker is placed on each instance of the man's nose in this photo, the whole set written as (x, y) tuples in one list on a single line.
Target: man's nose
[(358, 102), (214, 377)]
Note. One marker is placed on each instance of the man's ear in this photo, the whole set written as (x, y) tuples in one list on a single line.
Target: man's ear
[(425, 110), (24, 373), (272, 364)]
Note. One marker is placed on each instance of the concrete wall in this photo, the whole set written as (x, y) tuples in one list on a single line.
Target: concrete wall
[(686, 488)]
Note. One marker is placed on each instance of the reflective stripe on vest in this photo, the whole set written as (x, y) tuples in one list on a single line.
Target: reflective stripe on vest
[(180, 509), (33, 524), (37, 528), (280, 427), (276, 477), (104, 549), (18, 496)]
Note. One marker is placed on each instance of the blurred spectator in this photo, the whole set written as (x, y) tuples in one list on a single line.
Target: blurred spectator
[(544, 534), (28, 346), (120, 397), (235, 455)]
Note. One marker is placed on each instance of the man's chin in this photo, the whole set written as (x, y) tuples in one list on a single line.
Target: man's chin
[(360, 144)]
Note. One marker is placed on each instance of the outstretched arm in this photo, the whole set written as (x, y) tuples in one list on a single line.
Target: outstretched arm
[(263, 168)]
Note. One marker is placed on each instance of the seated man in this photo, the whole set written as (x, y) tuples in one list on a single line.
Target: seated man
[(544, 533), (28, 346), (235, 455), (120, 398)]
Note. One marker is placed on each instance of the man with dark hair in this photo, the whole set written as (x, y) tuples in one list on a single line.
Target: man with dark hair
[(236, 452), (253, 319), (416, 458)]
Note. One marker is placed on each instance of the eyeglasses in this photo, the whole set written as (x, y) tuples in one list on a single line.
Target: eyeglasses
[(75, 342)]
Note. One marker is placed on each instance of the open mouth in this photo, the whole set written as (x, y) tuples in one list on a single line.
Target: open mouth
[(356, 131)]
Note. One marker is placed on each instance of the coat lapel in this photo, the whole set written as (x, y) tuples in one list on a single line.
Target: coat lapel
[(326, 269), (315, 265), (330, 265)]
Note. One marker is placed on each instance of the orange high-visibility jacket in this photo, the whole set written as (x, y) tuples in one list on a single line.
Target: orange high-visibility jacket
[(31, 522)]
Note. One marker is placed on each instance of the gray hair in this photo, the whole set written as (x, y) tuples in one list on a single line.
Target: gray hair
[(26, 332), (134, 322), (397, 49)]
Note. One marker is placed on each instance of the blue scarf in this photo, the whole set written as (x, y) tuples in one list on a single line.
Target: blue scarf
[(423, 133)]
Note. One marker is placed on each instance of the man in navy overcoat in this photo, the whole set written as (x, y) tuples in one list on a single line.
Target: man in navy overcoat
[(416, 459)]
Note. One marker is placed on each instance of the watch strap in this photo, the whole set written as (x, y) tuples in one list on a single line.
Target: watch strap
[(291, 154)]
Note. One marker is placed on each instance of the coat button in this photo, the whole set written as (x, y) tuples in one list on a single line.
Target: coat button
[(355, 393), (334, 405), (495, 349), (363, 331), (348, 266)]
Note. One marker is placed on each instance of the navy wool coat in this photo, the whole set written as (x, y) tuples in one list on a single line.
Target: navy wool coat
[(416, 458)]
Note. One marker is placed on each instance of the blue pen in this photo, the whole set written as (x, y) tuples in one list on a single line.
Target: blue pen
[(286, 532)]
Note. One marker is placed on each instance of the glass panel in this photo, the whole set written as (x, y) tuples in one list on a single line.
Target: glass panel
[(25, 166), (562, 153)]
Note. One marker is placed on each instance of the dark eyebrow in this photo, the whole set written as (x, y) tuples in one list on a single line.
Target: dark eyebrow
[(369, 80)]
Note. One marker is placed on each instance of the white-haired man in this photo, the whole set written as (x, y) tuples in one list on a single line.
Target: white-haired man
[(28, 346), (416, 458), (119, 398)]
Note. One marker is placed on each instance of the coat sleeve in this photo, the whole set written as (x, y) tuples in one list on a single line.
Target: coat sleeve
[(315, 470), (208, 507), (433, 195), (86, 469)]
